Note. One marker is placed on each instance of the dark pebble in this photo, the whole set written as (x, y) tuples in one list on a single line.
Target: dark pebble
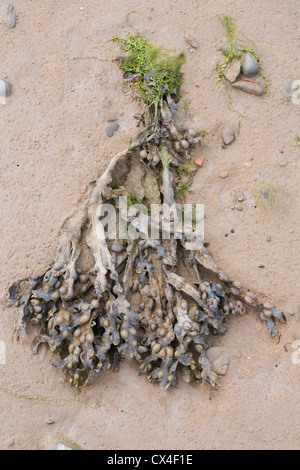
[(111, 129), (224, 146), (261, 266), (268, 239)]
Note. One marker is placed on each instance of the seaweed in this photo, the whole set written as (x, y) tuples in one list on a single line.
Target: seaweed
[(155, 300), (157, 73)]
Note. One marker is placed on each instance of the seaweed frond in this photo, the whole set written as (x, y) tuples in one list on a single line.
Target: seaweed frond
[(158, 74)]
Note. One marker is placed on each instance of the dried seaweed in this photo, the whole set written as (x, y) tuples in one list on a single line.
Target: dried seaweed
[(136, 299)]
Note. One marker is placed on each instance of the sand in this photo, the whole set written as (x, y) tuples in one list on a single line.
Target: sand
[(54, 143)]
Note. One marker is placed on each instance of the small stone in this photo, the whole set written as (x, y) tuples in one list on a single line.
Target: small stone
[(288, 88), (117, 248), (268, 239), (224, 146), (254, 87), (225, 49), (111, 129), (185, 144), (11, 16), (265, 193), (241, 197), (5, 88), (233, 70), (238, 208), (261, 266), (49, 421), (228, 136), (200, 160), (236, 353), (192, 41), (224, 174), (121, 113), (291, 312), (219, 360), (10, 442), (282, 160), (250, 66)]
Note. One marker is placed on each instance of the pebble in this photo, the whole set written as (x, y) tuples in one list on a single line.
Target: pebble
[(50, 421), (250, 66), (261, 266), (185, 144), (10, 442), (5, 88), (268, 239), (233, 70), (236, 353), (192, 41), (200, 160), (256, 87), (228, 136), (238, 208), (288, 88), (224, 146), (219, 360), (111, 129), (265, 193), (241, 197), (291, 312), (117, 248), (282, 160), (12, 16), (224, 174)]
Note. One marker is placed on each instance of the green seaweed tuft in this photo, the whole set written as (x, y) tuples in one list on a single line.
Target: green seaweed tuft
[(158, 74)]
